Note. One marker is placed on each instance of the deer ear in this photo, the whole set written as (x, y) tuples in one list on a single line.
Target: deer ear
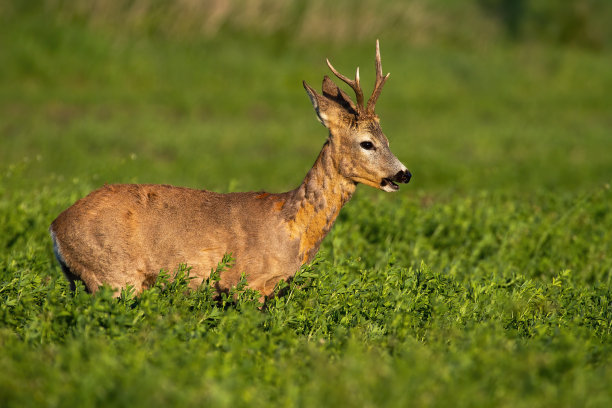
[(317, 101), (333, 92)]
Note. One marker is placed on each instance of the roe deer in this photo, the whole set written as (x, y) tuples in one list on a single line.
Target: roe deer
[(125, 234)]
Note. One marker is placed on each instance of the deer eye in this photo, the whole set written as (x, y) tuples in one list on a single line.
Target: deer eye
[(366, 145)]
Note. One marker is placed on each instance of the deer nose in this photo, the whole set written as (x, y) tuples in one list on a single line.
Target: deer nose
[(403, 176)]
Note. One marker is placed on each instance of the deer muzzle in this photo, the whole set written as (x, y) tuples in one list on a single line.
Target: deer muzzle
[(402, 176)]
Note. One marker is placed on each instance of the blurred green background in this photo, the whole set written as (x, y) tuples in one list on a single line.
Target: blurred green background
[(484, 94)]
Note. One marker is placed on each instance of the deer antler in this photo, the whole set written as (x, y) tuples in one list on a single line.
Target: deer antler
[(380, 81), (353, 84)]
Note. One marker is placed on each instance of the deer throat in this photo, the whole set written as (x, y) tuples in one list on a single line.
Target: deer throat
[(316, 204)]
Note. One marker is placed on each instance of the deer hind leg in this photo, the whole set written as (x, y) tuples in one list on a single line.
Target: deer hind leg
[(69, 272), (71, 277)]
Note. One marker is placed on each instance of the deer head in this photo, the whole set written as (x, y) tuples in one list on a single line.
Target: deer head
[(360, 148)]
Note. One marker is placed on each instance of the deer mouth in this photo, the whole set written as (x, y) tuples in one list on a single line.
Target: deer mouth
[(387, 185)]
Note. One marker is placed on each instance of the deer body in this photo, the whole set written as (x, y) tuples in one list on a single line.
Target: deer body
[(124, 234)]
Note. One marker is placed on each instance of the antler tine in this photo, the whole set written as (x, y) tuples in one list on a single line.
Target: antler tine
[(380, 81), (352, 83)]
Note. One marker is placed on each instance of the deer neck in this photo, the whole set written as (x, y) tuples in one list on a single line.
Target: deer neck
[(317, 202)]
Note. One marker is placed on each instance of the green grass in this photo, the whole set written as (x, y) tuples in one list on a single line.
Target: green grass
[(484, 282)]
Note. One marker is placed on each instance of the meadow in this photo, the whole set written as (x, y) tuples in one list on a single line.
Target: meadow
[(486, 281)]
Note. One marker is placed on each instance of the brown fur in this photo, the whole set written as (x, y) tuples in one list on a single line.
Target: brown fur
[(124, 234)]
